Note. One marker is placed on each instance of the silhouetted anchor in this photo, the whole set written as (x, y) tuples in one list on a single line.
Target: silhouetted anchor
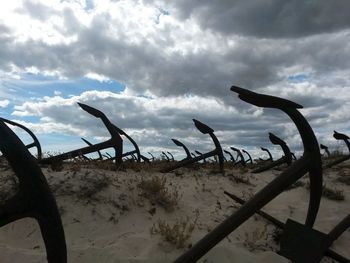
[(293, 156), (115, 141), (326, 251), (172, 156), (249, 157), (309, 163), (166, 156), (193, 155), (200, 154), (35, 142), (33, 198), (239, 156), (178, 143), (325, 148), (217, 151), (151, 156), (90, 144), (268, 152), (231, 156), (345, 138), (287, 158)]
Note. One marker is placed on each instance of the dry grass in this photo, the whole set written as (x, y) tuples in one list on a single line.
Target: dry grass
[(156, 191), (178, 233)]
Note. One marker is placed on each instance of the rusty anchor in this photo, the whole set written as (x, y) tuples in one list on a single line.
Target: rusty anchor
[(325, 148), (172, 156), (216, 152), (35, 142), (180, 144), (239, 156), (345, 138), (231, 156), (115, 141), (268, 152), (152, 157), (287, 158), (200, 154), (249, 157), (166, 156), (310, 162), (100, 157), (326, 251), (34, 198)]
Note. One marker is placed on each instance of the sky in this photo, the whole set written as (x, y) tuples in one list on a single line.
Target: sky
[(152, 66)]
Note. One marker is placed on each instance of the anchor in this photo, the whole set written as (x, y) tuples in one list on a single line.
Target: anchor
[(287, 158), (240, 156), (166, 156), (231, 156), (193, 155), (345, 138), (249, 157), (178, 143), (217, 151), (200, 154), (151, 156), (333, 235), (98, 151), (325, 148), (115, 141), (172, 156), (309, 163), (34, 198), (268, 152), (35, 142)]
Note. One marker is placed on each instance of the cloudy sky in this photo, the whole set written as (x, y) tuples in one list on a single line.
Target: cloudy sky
[(152, 66)]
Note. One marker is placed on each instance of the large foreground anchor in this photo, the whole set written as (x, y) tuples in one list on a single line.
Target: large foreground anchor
[(178, 143), (309, 162), (239, 155), (326, 251), (217, 151), (115, 141), (35, 142), (345, 138), (34, 198), (287, 158)]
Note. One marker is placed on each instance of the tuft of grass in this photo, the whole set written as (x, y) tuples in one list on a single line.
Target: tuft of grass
[(157, 192), (330, 193), (240, 179), (178, 233)]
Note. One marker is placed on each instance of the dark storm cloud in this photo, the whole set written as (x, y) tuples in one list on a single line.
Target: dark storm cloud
[(267, 18)]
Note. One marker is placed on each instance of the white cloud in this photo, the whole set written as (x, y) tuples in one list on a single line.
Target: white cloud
[(4, 103)]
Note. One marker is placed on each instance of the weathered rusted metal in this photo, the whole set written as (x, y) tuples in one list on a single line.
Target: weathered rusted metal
[(178, 143), (249, 157), (231, 156), (115, 141), (203, 128), (34, 198), (171, 155), (325, 148), (345, 138), (332, 236), (35, 142), (200, 154), (240, 158), (98, 151), (166, 156), (287, 158), (151, 156), (310, 162)]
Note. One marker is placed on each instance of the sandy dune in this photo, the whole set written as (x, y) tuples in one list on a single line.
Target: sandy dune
[(108, 216)]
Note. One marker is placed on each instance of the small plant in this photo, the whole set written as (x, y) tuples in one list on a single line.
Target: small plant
[(178, 233), (156, 191), (333, 193), (240, 179)]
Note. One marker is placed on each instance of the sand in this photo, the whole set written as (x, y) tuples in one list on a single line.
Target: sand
[(109, 217)]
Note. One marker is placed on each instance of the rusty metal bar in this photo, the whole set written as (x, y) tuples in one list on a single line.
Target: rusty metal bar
[(166, 156), (345, 138), (325, 148), (115, 141), (268, 152), (310, 162), (151, 156), (231, 156), (90, 144), (333, 235), (34, 198), (172, 156), (199, 153), (203, 128)]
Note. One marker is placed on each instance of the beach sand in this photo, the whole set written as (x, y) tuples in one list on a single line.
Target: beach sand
[(113, 216)]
